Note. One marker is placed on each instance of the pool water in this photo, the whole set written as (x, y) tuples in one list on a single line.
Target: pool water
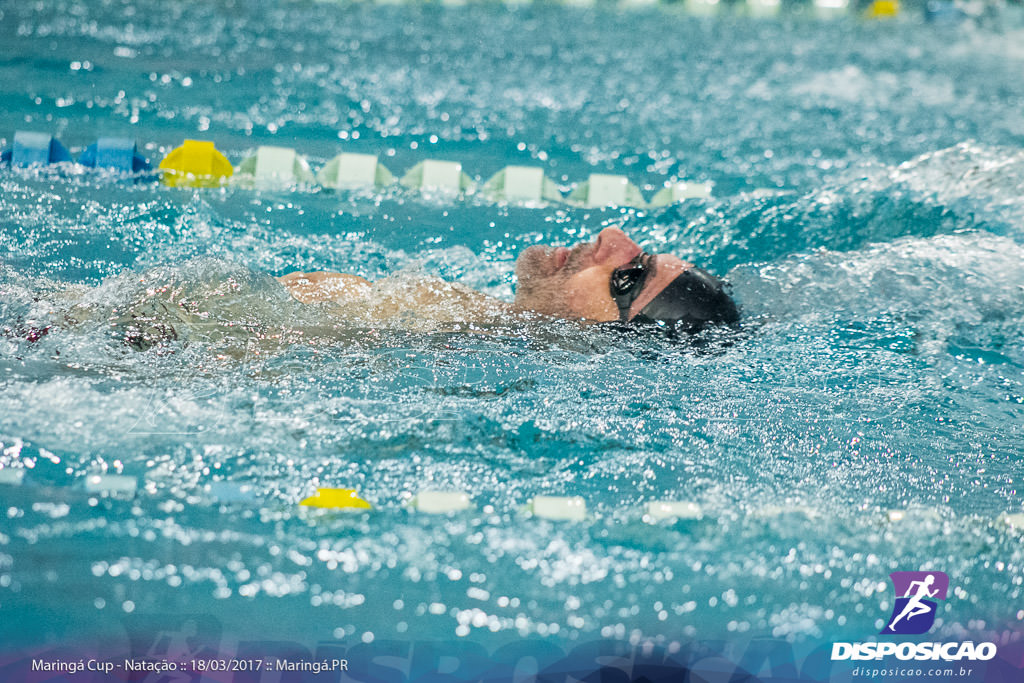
[(868, 210)]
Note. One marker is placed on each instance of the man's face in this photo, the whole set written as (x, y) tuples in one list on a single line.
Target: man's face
[(574, 282)]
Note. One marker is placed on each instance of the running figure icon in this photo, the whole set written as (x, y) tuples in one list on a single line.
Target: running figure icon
[(916, 603), (914, 606)]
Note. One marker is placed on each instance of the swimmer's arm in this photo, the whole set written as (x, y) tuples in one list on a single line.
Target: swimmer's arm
[(324, 286)]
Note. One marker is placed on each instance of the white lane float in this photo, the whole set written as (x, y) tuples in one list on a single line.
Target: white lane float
[(439, 502), (681, 191), (270, 166), (602, 189), (558, 508), (111, 484), (521, 184), (657, 510), (437, 175), (11, 477), (350, 170)]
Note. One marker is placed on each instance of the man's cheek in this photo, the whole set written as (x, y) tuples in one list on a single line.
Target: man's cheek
[(584, 299)]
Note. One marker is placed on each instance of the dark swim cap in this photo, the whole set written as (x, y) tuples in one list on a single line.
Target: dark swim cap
[(691, 302)]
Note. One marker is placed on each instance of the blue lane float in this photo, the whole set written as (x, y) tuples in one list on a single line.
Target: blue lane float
[(35, 149), (944, 12), (118, 154)]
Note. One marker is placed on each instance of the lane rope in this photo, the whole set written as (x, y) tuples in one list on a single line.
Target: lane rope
[(199, 164)]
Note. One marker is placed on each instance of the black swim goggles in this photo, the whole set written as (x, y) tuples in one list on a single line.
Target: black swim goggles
[(692, 300), (628, 281)]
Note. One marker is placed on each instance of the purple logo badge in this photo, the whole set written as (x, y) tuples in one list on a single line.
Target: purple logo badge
[(916, 596)]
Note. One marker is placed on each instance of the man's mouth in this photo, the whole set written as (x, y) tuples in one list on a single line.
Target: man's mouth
[(547, 261), (575, 258)]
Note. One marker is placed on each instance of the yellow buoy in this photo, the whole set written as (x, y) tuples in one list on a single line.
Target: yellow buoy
[(882, 9), (336, 498), (196, 163)]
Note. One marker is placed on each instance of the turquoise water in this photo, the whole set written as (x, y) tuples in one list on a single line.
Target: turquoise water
[(868, 210)]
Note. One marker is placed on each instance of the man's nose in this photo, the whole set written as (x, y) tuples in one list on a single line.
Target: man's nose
[(613, 244)]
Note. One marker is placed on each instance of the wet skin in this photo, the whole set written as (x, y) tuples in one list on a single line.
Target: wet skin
[(574, 282), (562, 282)]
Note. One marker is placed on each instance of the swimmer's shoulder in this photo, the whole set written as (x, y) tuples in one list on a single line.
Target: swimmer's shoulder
[(320, 286), (429, 300)]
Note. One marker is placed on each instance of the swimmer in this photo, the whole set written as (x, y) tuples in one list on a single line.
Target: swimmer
[(914, 607), (609, 280)]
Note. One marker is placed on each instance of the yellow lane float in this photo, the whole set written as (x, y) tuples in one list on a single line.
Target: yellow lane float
[(196, 163), (337, 499)]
